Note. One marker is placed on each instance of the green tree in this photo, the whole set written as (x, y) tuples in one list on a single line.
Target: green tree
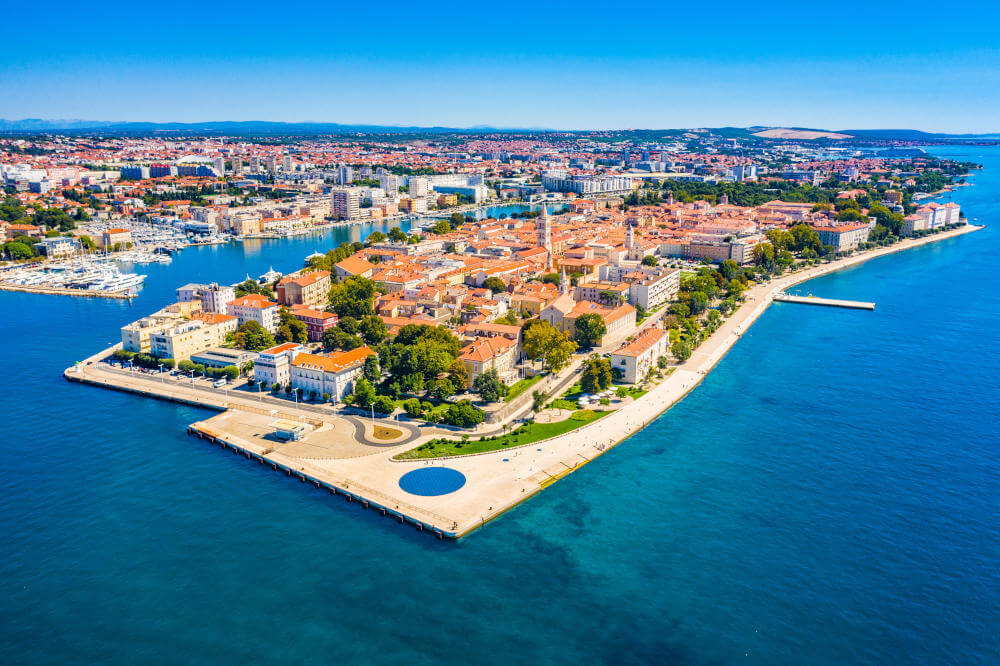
[(763, 254), (412, 407), (375, 237), (544, 341), (596, 374), (441, 227), (383, 404), (413, 383), (780, 239), (253, 337), (730, 270), (609, 298), (337, 338), (397, 235), (650, 260), (364, 392), (291, 329), (253, 287), (231, 372), (681, 350), (370, 369), (17, 250), (442, 389), (354, 297), (494, 284), (589, 329), (489, 386), (373, 330), (804, 237), (464, 414)]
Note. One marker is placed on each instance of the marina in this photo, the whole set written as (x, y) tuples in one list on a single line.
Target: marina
[(78, 277)]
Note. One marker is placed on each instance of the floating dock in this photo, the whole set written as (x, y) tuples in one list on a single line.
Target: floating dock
[(830, 302)]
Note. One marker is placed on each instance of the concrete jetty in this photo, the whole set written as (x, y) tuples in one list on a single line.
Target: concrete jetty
[(830, 302), (60, 291)]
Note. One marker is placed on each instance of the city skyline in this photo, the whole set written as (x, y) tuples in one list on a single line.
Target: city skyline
[(524, 66)]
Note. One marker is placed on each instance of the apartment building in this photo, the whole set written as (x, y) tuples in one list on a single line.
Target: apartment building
[(317, 321), (214, 297), (135, 336), (254, 307), (653, 290), (563, 313), (346, 204), (310, 289), (636, 358), (490, 353), (60, 247), (607, 293), (844, 237), (184, 339)]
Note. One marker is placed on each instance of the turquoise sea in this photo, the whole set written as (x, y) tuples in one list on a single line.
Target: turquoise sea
[(828, 495)]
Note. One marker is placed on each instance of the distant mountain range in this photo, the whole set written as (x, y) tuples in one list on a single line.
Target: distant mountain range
[(265, 127), (232, 127)]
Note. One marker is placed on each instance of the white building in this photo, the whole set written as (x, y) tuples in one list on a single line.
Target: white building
[(334, 374), (346, 203), (419, 187), (214, 297), (635, 359), (559, 181), (274, 365), (254, 307)]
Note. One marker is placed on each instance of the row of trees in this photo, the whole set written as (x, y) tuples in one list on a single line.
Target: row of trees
[(142, 360)]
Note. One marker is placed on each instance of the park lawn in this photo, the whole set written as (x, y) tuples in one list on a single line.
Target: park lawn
[(632, 389), (560, 403), (528, 433), (519, 387)]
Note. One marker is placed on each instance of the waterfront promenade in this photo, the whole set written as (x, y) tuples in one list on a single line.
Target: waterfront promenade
[(495, 481)]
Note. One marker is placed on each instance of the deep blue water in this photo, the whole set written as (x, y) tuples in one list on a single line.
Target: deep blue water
[(828, 495)]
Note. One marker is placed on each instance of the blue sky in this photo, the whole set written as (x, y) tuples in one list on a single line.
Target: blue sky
[(567, 65)]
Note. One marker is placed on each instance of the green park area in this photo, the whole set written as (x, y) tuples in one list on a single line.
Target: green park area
[(528, 433)]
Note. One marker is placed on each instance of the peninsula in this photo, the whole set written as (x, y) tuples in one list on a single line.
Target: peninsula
[(444, 374)]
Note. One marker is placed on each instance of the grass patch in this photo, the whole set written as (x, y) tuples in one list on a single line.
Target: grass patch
[(381, 432), (527, 433), (519, 387), (631, 389), (560, 403)]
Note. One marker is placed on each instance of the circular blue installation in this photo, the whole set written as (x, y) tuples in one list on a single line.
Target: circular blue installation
[(428, 481)]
